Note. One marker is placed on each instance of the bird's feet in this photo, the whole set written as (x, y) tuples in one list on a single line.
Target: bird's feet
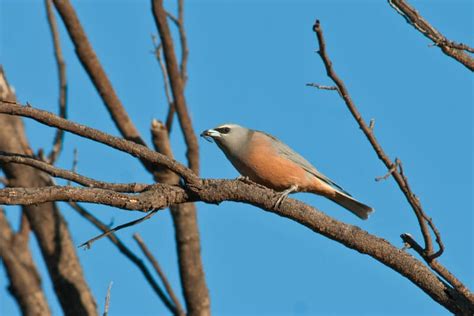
[(285, 194), (244, 179)]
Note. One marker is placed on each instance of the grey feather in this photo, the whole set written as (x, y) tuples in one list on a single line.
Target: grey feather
[(286, 151)]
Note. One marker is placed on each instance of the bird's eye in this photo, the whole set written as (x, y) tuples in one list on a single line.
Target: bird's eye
[(223, 130)]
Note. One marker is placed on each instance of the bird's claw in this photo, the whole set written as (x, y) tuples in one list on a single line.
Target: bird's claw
[(244, 179), (284, 194)]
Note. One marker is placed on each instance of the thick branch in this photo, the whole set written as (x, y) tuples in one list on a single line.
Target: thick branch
[(46, 221), (452, 49), (97, 74), (188, 243), (25, 281), (216, 191)]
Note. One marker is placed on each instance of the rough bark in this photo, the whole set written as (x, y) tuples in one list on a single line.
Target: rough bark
[(25, 281), (47, 223)]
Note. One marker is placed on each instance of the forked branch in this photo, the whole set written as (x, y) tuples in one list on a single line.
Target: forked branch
[(397, 173), (450, 48)]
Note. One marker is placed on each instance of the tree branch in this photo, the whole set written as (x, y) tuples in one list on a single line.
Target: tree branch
[(217, 191), (70, 175), (186, 234), (91, 64), (25, 281), (177, 85), (450, 48), (424, 221), (159, 271), (127, 253), (46, 221), (59, 136), (121, 144)]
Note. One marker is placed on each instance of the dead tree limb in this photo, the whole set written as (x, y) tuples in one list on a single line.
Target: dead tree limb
[(186, 233), (159, 271), (450, 48), (184, 217), (127, 254), (25, 281), (425, 223), (61, 65), (217, 191), (46, 221)]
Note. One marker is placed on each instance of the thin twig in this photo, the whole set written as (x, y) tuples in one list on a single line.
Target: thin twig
[(126, 252), (107, 299), (450, 48), (322, 87), (160, 272), (61, 65), (392, 169), (88, 244), (372, 124), (70, 175), (371, 137), (171, 110)]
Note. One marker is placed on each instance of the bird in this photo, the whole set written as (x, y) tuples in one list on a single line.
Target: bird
[(265, 160)]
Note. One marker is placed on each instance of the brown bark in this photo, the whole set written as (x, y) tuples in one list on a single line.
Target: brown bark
[(25, 281), (189, 254), (217, 191), (187, 236), (46, 222), (454, 50)]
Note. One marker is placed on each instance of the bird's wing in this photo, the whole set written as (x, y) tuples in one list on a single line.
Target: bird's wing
[(286, 151)]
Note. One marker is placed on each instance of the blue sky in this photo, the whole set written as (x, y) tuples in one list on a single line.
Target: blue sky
[(249, 63)]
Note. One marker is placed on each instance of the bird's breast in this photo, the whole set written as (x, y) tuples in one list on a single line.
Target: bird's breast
[(262, 163)]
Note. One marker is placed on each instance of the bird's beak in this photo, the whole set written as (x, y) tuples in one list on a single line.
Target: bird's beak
[(210, 134)]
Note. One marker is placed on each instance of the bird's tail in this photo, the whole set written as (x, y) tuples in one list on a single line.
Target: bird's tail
[(359, 209)]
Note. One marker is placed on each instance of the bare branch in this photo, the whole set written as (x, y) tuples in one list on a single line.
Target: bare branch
[(371, 137), (47, 222), (216, 191), (177, 85), (69, 175), (391, 170), (399, 177), (169, 98), (448, 47), (91, 63), (186, 234), (88, 244), (132, 148), (25, 281), (127, 253), (321, 87), (193, 280), (107, 300), (59, 136), (160, 273), (183, 42)]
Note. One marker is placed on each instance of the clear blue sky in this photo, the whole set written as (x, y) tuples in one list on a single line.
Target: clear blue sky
[(249, 63)]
